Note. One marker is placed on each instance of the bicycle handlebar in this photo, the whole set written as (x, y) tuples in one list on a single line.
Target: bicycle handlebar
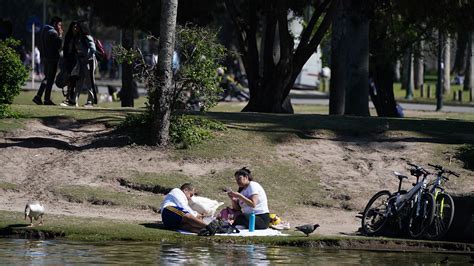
[(443, 170), (419, 169)]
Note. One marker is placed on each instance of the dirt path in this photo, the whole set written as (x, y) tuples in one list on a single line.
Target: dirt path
[(46, 155)]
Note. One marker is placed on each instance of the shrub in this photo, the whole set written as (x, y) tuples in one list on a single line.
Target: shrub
[(12, 72), (185, 130), (7, 112)]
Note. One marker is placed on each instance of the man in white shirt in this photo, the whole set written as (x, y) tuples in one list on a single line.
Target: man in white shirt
[(176, 213)]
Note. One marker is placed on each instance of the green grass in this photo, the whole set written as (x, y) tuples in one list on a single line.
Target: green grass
[(101, 196), (8, 186), (400, 94), (99, 229), (298, 108), (26, 96)]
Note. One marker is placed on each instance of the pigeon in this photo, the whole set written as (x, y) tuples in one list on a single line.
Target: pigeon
[(34, 210), (307, 228)]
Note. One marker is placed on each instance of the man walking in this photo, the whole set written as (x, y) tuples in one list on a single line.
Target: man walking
[(50, 45)]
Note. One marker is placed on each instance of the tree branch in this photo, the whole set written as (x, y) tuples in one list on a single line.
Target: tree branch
[(308, 50), (319, 10)]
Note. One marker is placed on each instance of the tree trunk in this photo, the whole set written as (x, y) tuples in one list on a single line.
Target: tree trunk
[(126, 93), (447, 65), (439, 83), (162, 94), (469, 74), (357, 74), (339, 54), (273, 69), (460, 57), (407, 77), (418, 68), (382, 70)]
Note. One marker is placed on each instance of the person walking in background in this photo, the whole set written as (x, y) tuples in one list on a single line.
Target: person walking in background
[(37, 56), (68, 64), (49, 45), (79, 45)]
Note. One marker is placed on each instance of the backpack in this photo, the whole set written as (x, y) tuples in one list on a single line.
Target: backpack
[(99, 50)]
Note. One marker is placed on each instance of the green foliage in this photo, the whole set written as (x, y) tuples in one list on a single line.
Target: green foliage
[(12, 72), (137, 126), (7, 112), (201, 55), (186, 131), (123, 55)]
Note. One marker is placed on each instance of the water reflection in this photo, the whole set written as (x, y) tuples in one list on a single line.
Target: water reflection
[(68, 252)]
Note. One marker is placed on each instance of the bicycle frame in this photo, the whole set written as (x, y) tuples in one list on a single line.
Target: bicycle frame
[(436, 189), (401, 200)]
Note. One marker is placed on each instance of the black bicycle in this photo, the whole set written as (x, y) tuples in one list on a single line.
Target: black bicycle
[(415, 206), (444, 204)]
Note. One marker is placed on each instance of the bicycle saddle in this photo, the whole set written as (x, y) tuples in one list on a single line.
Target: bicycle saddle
[(400, 176)]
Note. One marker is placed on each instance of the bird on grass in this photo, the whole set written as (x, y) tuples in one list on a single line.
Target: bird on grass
[(34, 210), (307, 228)]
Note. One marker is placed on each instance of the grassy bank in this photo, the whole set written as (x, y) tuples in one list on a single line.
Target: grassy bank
[(86, 229)]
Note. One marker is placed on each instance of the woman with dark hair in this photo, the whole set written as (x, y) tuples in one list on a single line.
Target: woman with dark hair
[(251, 197), (79, 50)]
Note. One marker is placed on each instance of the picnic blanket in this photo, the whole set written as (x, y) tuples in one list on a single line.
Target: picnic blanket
[(244, 232)]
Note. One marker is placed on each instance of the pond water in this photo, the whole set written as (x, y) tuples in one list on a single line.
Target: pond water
[(19, 251)]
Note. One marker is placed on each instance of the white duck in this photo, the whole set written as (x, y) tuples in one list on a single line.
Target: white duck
[(34, 210)]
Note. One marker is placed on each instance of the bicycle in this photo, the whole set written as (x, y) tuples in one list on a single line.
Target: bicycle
[(444, 204), (384, 206)]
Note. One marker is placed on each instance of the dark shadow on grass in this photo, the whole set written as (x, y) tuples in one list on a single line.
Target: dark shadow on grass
[(346, 128), (157, 225), (18, 225)]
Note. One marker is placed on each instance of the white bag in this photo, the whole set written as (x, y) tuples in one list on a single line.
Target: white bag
[(205, 206)]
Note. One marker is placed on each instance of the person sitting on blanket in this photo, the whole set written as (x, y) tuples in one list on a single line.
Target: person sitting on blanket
[(176, 213), (250, 198)]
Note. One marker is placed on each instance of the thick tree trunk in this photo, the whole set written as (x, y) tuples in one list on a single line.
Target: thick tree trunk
[(381, 91), (357, 74), (469, 74), (460, 57), (418, 68), (126, 93), (447, 65), (382, 71), (407, 77), (339, 54), (161, 97), (272, 69)]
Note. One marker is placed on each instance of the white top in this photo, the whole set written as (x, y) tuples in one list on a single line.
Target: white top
[(254, 188), (177, 198)]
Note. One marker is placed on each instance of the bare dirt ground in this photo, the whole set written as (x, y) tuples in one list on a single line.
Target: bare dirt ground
[(63, 152)]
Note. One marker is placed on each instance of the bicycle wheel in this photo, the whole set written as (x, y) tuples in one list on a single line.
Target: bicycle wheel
[(376, 213), (419, 220), (443, 218)]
